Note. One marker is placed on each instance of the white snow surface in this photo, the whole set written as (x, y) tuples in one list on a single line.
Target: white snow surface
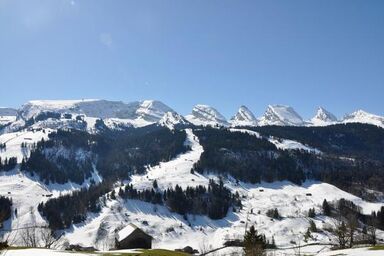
[(172, 119), (7, 119), (360, 116), (125, 232), (207, 116), (171, 230), (286, 144), (283, 144), (244, 117), (149, 110), (323, 118), (167, 174), (281, 115), (13, 142)]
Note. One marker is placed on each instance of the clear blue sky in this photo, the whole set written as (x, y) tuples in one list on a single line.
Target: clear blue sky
[(222, 53)]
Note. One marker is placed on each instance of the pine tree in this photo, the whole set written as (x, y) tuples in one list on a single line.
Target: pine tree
[(312, 226), (311, 213), (326, 208), (254, 244), (155, 186)]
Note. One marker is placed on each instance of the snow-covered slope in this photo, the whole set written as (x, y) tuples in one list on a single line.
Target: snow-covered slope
[(168, 174), (283, 144), (14, 140), (323, 118), (206, 115), (171, 230), (243, 117), (7, 115), (172, 120), (360, 116), (152, 110), (149, 110), (281, 115)]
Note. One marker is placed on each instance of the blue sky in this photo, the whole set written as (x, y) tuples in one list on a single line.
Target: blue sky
[(222, 53)]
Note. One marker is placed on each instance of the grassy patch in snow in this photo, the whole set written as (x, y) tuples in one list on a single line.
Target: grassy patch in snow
[(377, 247)]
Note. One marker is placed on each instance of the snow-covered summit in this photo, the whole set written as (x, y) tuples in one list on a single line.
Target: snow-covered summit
[(281, 115), (149, 110), (244, 117), (172, 120), (206, 115), (361, 116), (323, 117), (152, 110)]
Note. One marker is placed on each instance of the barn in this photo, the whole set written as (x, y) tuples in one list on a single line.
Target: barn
[(132, 237)]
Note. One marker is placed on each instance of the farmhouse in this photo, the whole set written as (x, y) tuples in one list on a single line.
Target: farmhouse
[(132, 237)]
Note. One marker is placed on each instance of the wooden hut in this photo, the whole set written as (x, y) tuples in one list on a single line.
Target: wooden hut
[(132, 237)]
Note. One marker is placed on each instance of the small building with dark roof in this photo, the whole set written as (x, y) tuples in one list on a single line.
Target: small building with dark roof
[(132, 237)]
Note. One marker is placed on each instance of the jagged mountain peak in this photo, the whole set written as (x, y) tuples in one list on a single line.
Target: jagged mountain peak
[(244, 117), (152, 110), (361, 116), (172, 120), (323, 117), (281, 115), (206, 115)]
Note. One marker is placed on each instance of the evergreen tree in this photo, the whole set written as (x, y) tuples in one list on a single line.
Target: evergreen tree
[(155, 186), (311, 213), (326, 208), (254, 244)]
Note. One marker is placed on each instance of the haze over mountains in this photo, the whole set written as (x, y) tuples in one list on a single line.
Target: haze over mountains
[(141, 113)]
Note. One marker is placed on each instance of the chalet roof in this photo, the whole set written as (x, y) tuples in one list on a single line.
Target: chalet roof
[(127, 231)]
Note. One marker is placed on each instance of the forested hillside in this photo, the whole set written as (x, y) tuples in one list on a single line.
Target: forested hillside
[(352, 156), (70, 155)]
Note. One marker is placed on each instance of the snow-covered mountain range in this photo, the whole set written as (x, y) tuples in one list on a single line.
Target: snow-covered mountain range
[(141, 113)]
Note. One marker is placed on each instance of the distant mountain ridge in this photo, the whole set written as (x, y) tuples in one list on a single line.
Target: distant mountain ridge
[(141, 113), (8, 111)]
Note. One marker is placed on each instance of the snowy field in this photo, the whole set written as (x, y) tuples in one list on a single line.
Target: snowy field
[(171, 230)]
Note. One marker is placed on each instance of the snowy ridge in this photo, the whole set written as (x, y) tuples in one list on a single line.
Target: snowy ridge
[(323, 117), (281, 115), (206, 115), (149, 110), (360, 116), (7, 112), (117, 114), (172, 120), (244, 117)]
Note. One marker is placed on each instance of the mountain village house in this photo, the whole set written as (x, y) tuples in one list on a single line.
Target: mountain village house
[(132, 237)]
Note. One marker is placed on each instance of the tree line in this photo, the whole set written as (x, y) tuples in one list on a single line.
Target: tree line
[(8, 164), (116, 154)]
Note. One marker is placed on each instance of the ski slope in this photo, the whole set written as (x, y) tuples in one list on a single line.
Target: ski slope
[(175, 172)]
